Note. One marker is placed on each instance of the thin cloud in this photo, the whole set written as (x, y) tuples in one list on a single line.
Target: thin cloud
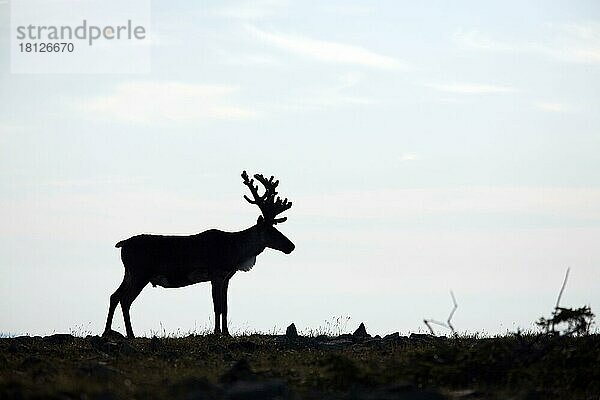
[(471, 88), (252, 10), (577, 42), (345, 93), (95, 182), (326, 99), (553, 107), (249, 59), (477, 40), (166, 102), (409, 157), (355, 10), (563, 202), (326, 51), (9, 128)]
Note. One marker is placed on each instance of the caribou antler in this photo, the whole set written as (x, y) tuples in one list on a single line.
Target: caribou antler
[(269, 205)]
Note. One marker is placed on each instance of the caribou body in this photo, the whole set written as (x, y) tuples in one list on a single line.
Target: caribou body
[(213, 255)]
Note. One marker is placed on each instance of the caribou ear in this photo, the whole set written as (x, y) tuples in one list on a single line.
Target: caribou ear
[(260, 220)]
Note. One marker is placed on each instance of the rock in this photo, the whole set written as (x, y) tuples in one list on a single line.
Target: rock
[(104, 345), (291, 332), (335, 344), (427, 339), (361, 332), (250, 390), (394, 338), (113, 335), (346, 336), (59, 338), (238, 372), (421, 337)]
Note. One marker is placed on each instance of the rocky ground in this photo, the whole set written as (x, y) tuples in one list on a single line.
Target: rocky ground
[(352, 366)]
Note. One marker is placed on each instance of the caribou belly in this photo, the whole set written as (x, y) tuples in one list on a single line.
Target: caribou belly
[(199, 276), (170, 281)]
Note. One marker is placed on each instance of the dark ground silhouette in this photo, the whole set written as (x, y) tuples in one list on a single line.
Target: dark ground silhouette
[(352, 366)]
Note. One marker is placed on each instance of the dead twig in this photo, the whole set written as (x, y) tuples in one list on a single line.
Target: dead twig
[(448, 323), (577, 320), (562, 289)]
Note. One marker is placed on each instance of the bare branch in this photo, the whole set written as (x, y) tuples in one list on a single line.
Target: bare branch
[(452, 312), (433, 321), (562, 288), (448, 323), (427, 321)]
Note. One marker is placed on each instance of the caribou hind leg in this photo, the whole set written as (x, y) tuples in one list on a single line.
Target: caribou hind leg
[(114, 301), (128, 295), (125, 294)]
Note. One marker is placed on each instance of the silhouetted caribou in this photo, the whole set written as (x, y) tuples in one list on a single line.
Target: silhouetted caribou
[(213, 255)]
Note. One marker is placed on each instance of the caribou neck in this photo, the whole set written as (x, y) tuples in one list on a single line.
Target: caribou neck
[(250, 243)]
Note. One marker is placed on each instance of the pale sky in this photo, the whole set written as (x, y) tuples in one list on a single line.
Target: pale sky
[(426, 146)]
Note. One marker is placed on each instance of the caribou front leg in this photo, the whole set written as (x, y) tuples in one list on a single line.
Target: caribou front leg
[(217, 291), (224, 306)]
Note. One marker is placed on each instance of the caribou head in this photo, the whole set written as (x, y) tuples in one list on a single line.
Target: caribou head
[(270, 206)]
